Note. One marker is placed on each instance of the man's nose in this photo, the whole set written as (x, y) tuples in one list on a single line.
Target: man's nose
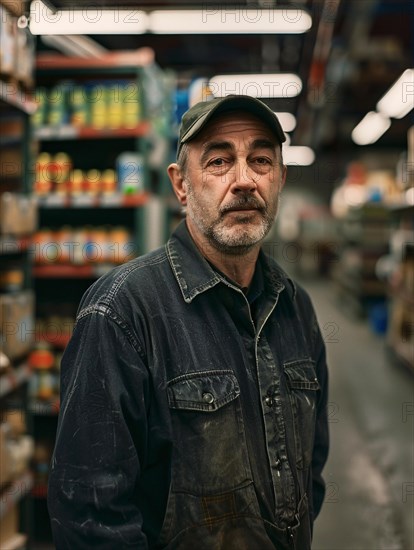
[(245, 179)]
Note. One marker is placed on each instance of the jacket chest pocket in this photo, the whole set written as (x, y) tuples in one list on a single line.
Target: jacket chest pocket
[(302, 385), (209, 447)]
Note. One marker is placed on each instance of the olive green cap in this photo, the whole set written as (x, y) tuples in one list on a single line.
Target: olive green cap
[(196, 118)]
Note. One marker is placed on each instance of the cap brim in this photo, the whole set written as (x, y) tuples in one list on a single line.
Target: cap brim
[(233, 103)]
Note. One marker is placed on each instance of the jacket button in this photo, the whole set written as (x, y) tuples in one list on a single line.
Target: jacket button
[(269, 401), (208, 397)]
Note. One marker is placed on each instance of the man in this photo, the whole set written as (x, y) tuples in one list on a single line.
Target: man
[(194, 388)]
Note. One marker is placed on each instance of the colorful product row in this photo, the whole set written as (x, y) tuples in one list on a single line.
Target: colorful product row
[(98, 104), (56, 174), (80, 246)]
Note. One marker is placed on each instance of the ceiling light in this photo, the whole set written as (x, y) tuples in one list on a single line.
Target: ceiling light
[(214, 19), (298, 155), (399, 100), (256, 85), (370, 129), (92, 20), (287, 121), (227, 20)]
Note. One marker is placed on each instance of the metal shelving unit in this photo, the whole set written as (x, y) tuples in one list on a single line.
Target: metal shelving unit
[(59, 286), (16, 107)]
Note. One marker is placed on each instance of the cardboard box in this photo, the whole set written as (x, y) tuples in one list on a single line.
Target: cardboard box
[(18, 214), (11, 163), (21, 451), (25, 57), (15, 7), (16, 418), (10, 538), (5, 459), (17, 323), (8, 28)]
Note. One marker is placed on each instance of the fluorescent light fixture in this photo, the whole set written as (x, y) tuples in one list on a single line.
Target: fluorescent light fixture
[(298, 155), (256, 85), (370, 129), (209, 20), (287, 121), (399, 100), (288, 140), (85, 21), (229, 20)]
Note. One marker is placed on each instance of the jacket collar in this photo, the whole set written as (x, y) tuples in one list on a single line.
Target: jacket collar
[(195, 275)]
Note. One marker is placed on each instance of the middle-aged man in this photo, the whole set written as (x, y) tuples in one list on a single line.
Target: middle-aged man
[(194, 387)]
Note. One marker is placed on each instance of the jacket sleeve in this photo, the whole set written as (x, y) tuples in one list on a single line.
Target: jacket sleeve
[(321, 442), (101, 438)]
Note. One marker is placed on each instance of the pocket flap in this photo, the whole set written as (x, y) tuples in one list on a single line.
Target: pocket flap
[(203, 391), (301, 375)]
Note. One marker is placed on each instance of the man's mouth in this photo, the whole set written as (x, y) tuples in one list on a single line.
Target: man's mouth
[(242, 209), (243, 206)]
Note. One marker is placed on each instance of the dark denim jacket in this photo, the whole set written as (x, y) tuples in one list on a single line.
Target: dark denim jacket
[(186, 422)]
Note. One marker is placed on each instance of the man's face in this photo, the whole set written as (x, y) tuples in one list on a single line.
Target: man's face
[(234, 177)]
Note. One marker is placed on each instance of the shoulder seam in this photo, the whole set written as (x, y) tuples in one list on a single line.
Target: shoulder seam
[(107, 311), (124, 274)]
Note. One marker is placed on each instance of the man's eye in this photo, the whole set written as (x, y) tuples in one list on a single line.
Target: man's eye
[(218, 165), (217, 162), (262, 160)]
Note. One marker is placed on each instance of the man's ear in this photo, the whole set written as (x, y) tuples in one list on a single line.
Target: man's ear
[(178, 183)]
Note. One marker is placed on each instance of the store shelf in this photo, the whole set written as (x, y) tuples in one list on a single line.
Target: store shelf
[(44, 408), (14, 492), (89, 271), (115, 200), (400, 207), (402, 294), (142, 57), (13, 245), (68, 132), (359, 286), (39, 491), (83, 235), (7, 141), (58, 341), (13, 96), (12, 379)]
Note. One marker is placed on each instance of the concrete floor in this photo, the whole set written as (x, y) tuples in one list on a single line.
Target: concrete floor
[(369, 503)]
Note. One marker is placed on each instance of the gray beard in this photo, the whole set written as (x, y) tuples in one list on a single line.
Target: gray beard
[(234, 245)]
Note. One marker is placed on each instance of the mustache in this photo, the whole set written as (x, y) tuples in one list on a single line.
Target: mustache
[(243, 202)]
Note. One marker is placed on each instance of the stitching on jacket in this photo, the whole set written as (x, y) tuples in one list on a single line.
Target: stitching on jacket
[(172, 256), (98, 308), (105, 310), (187, 294)]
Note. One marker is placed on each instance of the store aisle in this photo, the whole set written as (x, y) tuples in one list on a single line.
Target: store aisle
[(369, 474)]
